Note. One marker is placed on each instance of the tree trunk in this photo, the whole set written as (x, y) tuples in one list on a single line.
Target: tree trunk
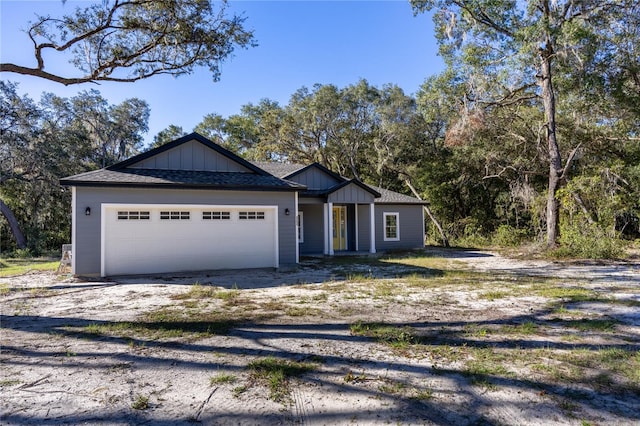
[(21, 241), (555, 161), (445, 240)]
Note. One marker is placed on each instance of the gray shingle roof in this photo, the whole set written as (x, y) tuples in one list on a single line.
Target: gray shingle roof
[(279, 169), (285, 169), (180, 178), (392, 197)]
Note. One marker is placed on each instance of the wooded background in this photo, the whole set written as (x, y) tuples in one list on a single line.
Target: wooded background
[(532, 133)]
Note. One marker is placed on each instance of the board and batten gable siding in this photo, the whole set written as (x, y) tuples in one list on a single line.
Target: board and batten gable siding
[(410, 225), (314, 178), (313, 223), (88, 228), (350, 193), (191, 155)]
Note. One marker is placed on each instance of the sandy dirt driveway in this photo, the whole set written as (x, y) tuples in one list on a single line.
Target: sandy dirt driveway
[(442, 337)]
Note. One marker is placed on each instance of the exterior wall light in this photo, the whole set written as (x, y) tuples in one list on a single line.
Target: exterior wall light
[(87, 211), (286, 212)]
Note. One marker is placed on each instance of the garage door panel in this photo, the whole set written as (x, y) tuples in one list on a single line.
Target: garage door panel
[(154, 245)]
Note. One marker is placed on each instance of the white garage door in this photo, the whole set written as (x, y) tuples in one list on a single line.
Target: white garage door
[(139, 239)]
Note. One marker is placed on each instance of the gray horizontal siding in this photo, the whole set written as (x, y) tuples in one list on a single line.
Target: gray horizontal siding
[(364, 228), (88, 230), (410, 222), (313, 220)]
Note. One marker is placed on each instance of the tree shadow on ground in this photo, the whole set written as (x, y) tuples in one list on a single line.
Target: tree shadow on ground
[(255, 340), (146, 345)]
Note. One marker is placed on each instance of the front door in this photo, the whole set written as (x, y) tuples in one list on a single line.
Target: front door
[(340, 227)]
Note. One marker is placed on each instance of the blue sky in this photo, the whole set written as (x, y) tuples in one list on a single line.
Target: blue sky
[(300, 43)]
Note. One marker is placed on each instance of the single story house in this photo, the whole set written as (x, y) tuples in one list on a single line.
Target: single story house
[(192, 205)]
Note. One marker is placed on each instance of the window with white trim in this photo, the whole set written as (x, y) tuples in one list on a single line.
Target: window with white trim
[(300, 226), (391, 226), (174, 215), (216, 215), (133, 215), (251, 215)]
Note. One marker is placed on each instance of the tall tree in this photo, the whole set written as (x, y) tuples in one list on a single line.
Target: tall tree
[(115, 130), (507, 47), (42, 142), (17, 161), (251, 131), (129, 40), (171, 132), (213, 127)]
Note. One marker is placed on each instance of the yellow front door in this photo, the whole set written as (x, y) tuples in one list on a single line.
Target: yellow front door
[(339, 227)]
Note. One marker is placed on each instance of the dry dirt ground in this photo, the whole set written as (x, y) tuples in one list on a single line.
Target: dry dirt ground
[(438, 337)]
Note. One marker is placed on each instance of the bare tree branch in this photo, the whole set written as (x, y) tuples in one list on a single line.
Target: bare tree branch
[(567, 164), (127, 41)]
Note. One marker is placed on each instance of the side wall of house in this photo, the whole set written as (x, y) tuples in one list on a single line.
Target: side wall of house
[(313, 223), (88, 228), (410, 226), (364, 228)]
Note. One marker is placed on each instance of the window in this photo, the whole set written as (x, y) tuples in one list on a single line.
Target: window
[(133, 215), (251, 215), (216, 215), (174, 215), (391, 227), (300, 226)]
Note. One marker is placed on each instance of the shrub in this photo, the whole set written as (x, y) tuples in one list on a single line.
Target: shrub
[(588, 241), (508, 236)]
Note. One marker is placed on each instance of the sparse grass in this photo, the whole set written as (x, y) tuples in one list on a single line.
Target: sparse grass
[(383, 289), (423, 281), (321, 297), (591, 325), (562, 310), (392, 387), (418, 260), (395, 336), (276, 373), (422, 394), (294, 311), (350, 377), (449, 346), (15, 267), (528, 328), (141, 403), (239, 390), (164, 323), (358, 277), (476, 331), (488, 361), (274, 305), (572, 294), (223, 379), (607, 362), (198, 291), (444, 353), (232, 297), (493, 295), (9, 382)]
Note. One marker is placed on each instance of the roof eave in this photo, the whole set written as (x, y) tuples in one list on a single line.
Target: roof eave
[(173, 185)]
